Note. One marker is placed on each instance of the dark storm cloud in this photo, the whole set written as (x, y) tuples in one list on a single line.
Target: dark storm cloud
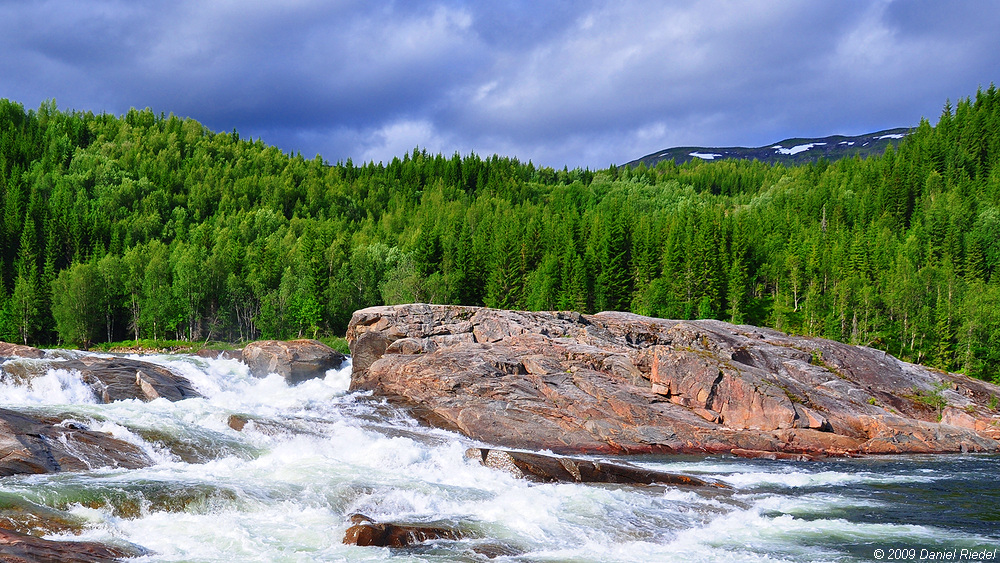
[(575, 83)]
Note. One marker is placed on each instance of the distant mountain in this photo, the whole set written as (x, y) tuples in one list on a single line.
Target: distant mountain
[(789, 151)]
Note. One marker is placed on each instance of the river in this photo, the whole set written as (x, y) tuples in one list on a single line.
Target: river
[(283, 488)]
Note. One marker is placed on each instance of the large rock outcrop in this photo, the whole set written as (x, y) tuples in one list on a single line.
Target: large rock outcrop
[(295, 360), (623, 383), (46, 444)]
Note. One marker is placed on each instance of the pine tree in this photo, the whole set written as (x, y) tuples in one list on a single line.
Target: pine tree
[(505, 283), (614, 283)]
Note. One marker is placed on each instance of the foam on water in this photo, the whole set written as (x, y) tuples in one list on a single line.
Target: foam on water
[(312, 454), (802, 479), (55, 387)]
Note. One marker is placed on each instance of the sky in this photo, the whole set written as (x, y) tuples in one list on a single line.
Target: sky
[(586, 83)]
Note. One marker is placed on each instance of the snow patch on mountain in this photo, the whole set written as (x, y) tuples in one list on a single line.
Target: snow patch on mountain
[(797, 148), (705, 155)]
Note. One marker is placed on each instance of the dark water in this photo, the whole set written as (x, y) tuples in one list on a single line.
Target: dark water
[(912, 508), (285, 495)]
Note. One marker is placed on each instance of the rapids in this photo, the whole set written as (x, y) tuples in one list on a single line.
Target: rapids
[(311, 455)]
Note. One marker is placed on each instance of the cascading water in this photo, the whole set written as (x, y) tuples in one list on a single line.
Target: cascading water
[(310, 455)]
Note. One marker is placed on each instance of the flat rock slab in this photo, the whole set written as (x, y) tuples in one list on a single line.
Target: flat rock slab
[(549, 468), (295, 360), (22, 548), (32, 444), (621, 383)]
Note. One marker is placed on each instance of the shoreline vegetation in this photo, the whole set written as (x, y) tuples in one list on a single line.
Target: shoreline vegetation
[(151, 227), (185, 347)]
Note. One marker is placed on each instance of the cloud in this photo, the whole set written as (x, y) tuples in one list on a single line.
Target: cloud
[(559, 83), (400, 138)]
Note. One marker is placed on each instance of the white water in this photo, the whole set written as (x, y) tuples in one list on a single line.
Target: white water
[(313, 454)]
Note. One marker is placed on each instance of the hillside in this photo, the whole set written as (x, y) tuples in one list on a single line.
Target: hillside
[(150, 226), (788, 152)]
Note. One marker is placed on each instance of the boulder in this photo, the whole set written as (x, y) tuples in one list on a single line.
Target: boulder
[(116, 379), (368, 532), (45, 444), (548, 468), (295, 360), (16, 547), (8, 350), (621, 383)]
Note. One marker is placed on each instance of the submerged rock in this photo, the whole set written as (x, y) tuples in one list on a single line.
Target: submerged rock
[(368, 532), (492, 550), (622, 383), (19, 514), (548, 468), (758, 454), (295, 360), (16, 547), (30, 444)]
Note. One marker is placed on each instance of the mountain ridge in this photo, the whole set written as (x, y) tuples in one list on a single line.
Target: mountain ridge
[(796, 150)]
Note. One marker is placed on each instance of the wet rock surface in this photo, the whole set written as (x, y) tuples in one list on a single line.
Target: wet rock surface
[(45, 444), (111, 378), (8, 350), (116, 379), (21, 515), (548, 468), (295, 360), (367, 532), (622, 383), (16, 547)]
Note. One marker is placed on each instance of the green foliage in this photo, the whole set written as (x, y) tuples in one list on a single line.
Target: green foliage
[(816, 358), (337, 343), (78, 297), (161, 346), (931, 399), (205, 236)]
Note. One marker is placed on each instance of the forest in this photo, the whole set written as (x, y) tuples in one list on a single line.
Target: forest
[(152, 226)]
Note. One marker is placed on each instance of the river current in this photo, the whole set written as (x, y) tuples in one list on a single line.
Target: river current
[(283, 488)]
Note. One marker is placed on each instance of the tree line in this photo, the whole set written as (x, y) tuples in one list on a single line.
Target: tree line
[(151, 226)]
